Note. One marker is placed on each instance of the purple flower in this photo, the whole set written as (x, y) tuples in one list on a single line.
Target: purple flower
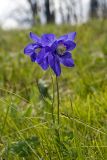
[(50, 51), (39, 48), (60, 54)]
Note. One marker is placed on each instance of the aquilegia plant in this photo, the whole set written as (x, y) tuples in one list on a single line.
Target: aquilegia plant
[(49, 51)]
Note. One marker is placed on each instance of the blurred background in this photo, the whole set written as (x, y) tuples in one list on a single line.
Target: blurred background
[(26, 91), (26, 13)]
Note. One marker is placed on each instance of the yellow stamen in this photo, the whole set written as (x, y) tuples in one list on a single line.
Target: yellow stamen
[(37, 50), (61, 49)]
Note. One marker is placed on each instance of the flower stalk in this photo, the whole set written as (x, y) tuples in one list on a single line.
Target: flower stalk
[(49, 51), (58, 101), (53, 97)]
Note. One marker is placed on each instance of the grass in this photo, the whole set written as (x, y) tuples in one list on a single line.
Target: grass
[(26, 128)]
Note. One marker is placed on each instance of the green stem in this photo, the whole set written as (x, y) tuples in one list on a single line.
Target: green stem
[(53, 98), (58, 102)]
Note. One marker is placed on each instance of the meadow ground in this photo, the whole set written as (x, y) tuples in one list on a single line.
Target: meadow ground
[(26, 128)]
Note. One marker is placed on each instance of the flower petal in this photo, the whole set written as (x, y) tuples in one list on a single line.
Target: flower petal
[(67, 55), (70, 45), (64, 37), (34, 37), (54, 46), (41, 55), (33, 57), (54, 64), (29, 49), (44, 64), (67, 60), (71, 36), (48, 39), (47, 51)]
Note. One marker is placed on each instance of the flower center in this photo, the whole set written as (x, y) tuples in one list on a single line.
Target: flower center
[(37, 50), (61, 49)]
